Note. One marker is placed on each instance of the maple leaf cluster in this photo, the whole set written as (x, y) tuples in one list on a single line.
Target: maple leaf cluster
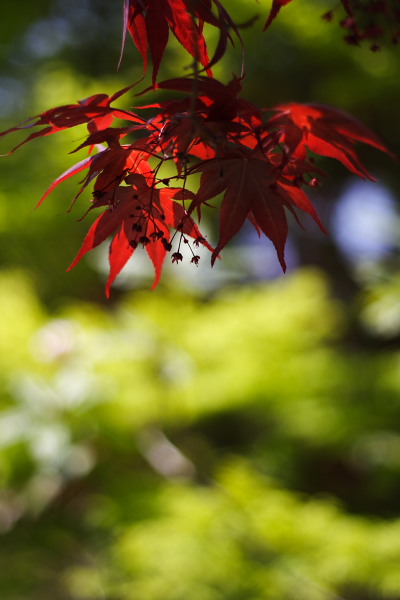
[(365, 20), (260, 162), (370, 20)]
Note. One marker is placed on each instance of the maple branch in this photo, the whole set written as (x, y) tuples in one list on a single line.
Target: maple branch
[(258, 166)]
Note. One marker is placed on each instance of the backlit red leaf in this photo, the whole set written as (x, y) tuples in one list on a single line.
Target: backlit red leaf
[(140, 215), (96, 111), (325, 131), (150, 21)]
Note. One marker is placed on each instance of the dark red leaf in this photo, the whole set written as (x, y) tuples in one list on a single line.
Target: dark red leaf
[(253, 189), (95, 111), (276, 7)]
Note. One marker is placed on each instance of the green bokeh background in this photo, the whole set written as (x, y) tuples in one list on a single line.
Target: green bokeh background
[(222, 437)]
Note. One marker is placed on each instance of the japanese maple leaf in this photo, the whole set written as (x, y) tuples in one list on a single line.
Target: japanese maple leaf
[(220, 113), (96, 111), (203, 124), (222, 100), (275, 8), (140, 214), (253, 189), (369, 20), (109, 167), (326, 131), (149, 23)]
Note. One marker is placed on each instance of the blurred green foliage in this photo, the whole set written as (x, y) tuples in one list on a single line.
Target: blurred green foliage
[(208, 440), (178, 447)]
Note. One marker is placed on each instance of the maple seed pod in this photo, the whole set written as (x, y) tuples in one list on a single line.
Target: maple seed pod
[(144, 240), (195, 259), (198, 241), (177, 257), (328, 16), (167, 245), (156, 235), (137, 227), (133, 244)]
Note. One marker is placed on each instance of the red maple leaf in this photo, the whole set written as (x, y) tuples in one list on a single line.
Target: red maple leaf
[(222, 101), (96, 111), (255, 189), (275, 8), (109, 167), (204, 123), (326, 131), (140, 214), (150, 21)]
